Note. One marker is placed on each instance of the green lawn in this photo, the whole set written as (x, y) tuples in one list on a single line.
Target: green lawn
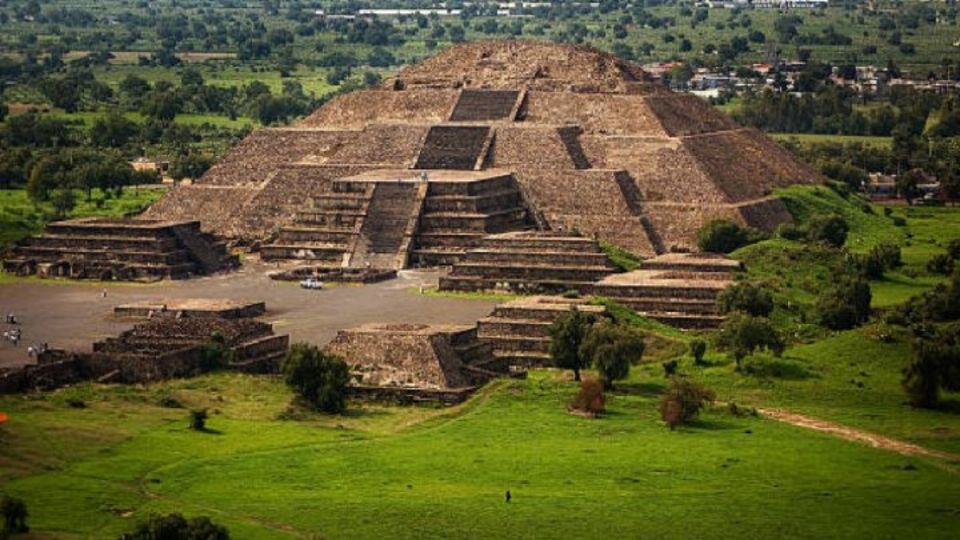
[(20, 218), (421, 472)]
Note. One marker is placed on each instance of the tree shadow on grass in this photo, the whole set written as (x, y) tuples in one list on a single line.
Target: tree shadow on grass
[(207, 430), (645, 389), (779, 368), (713, 425)]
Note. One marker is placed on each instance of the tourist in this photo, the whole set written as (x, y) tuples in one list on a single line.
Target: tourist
[(103, 293)]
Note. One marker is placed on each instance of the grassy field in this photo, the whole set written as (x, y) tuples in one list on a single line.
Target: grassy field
[(423, 472), (20, 217)]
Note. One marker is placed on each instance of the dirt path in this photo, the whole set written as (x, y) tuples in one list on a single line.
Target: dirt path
[(851, 434)]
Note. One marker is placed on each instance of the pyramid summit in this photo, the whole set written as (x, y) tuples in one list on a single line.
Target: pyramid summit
[(509, 135)]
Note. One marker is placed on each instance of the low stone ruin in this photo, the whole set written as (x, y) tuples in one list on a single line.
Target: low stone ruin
[(519, 330), (120, 249), (191, 307), (160, 348), (417, 362), (678, 289)]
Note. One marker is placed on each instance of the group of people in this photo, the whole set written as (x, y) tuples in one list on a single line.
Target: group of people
[(16, 334)]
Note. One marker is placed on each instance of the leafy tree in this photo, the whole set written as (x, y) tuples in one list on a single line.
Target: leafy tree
[(831, 229), (15, 515), (191, 165), (113, 131), (846, 304), (161, 105), (744, 334), (942, 263), (318, 378), (935, 365), (567, 335), (907, 184), (724, 236), (63, 201), (746, 297), (176, 527), (682, 402), (879, 259), (611, 348)]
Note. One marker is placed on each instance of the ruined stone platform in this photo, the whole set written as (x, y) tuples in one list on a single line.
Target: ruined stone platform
[(678, 289), (121, 249), (193, 307), (417, 356), (519, 330)]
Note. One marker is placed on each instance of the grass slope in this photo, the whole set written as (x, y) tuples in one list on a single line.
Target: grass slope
[(20, 217), (422, 472)]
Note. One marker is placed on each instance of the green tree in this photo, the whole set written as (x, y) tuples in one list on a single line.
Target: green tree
[(612, 348), (831, 229), (934, 366), (198, 419), (191, 165), (698, 348), (746, 297), (743, 335), (724, 236), (846, 304), (113, 131), (63, 201), (318, 378), (566, 337)]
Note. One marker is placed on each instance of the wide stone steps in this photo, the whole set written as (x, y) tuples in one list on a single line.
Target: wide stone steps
[(474, 188), (655, 291), (484, 105), (53, 254), (546, 258), (496, 200), (525, 243), (511, 219), (510, 328), (512, 344), (525, 358), (293, 235), (435, 257), (451, 240), (312, 252), (136, 243), (530, 271)]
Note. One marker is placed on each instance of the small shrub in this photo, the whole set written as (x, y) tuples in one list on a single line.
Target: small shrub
[(887, 211), (940, 264), (74, 403), (683, 401), (747, 298), (318, 378), (698, 348), (589, 398), (198, 419), (830, 229), (881, 258), (724, 236), (898, 221), (175, 526), (740, 412), (670, 368), (934, 366), (169, 402)]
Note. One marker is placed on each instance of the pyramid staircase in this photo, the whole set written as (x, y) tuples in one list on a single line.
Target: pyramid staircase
[(458, 214), (387, 231), (530, 262), (454, 147), (485, 105), (325, 231), (121, 249), (519, 331), (677, 289)]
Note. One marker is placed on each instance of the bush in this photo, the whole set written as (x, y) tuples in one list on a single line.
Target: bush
[(845, 305), (939, 305), (670, 368), (828, 228), (747, 298), (940, 264), (612, 348), (318, 378), (175, 526), (14, 515), (683, 401), (198, 419), (881, 258), (898, 221), (589, 398), (698, 348), (213, 352), (566, 338), (744, 334), (724, 236)]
